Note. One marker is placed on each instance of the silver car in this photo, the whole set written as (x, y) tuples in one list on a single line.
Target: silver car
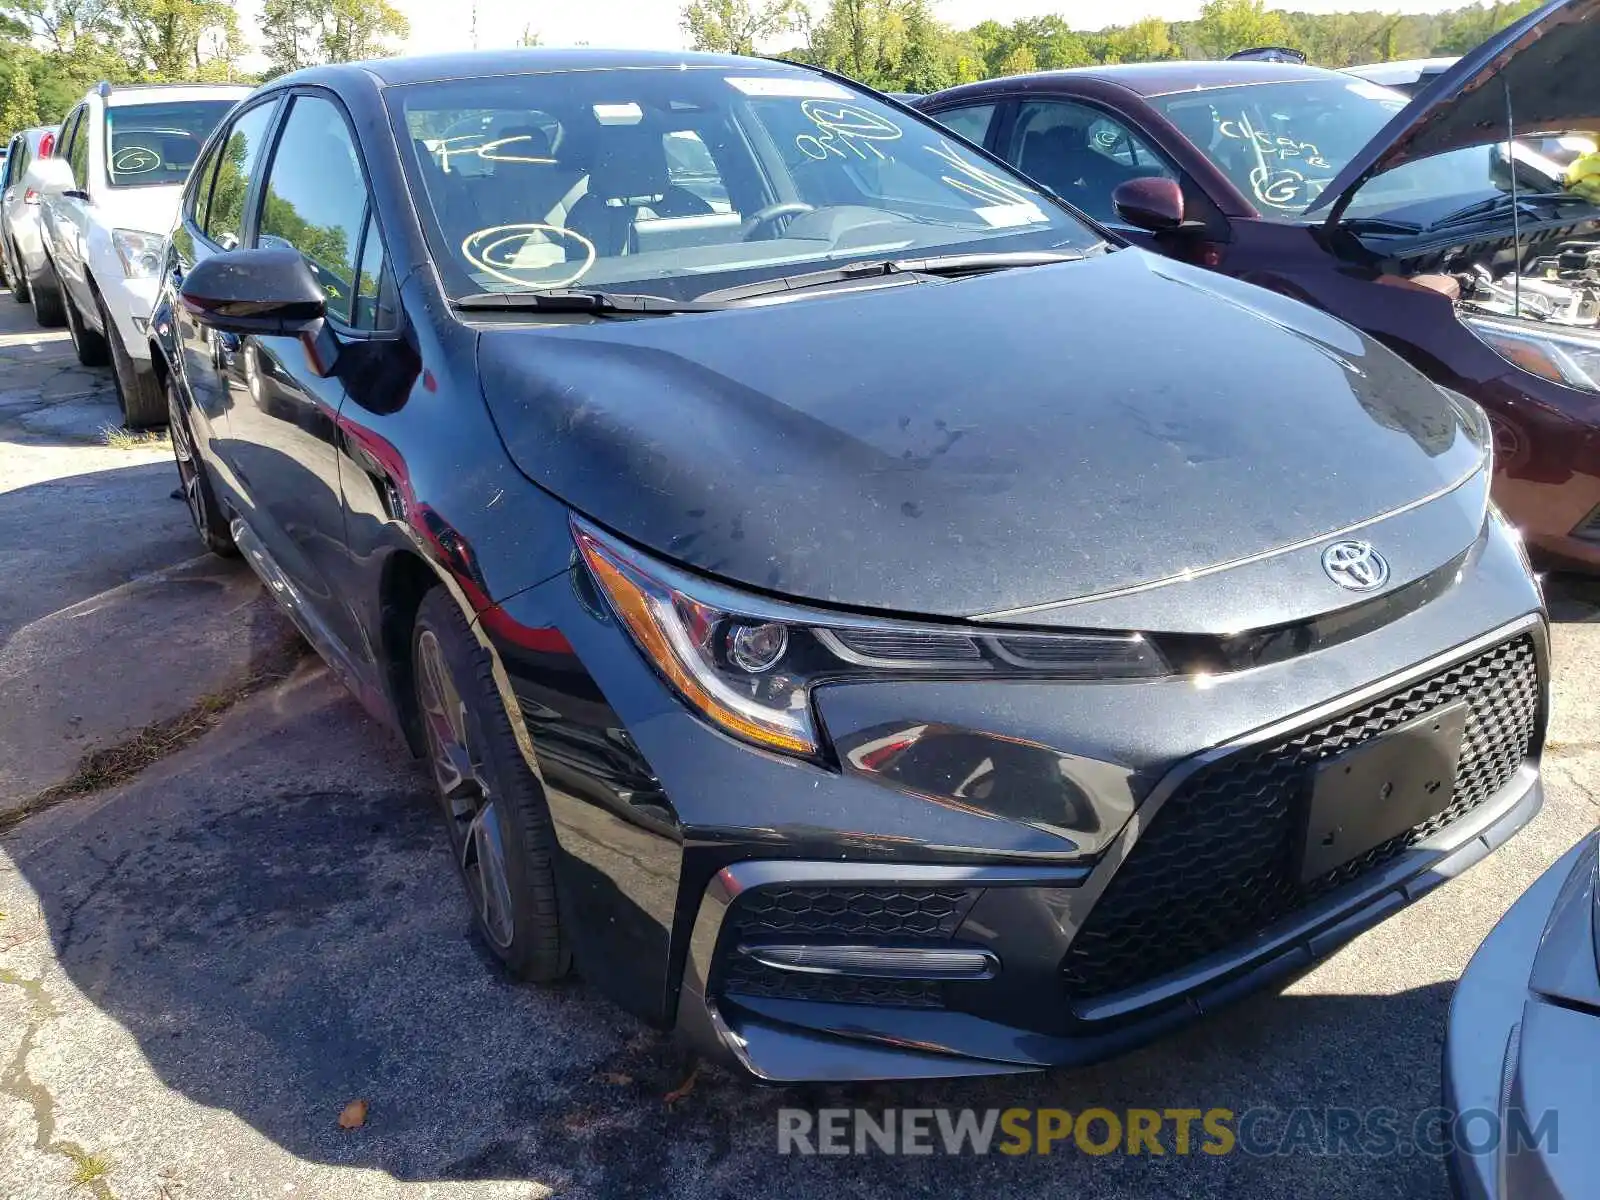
[(21, 251)]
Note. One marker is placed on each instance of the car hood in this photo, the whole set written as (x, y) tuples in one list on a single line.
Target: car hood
[(967, 447), (1546, 61)]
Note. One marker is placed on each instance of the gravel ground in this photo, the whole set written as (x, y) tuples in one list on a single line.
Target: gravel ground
[(201, 969)]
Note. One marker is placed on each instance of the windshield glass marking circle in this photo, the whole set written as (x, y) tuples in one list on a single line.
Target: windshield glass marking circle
[(512, 242)]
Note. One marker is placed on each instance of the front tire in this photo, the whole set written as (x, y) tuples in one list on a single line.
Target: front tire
[(139, 393), (499, 826), (44, 290), (16, 279), (91, 346), (194, 482)]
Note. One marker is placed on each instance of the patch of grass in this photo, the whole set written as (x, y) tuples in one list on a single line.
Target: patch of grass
[(113, 765), (134, 439), (89, 1169)]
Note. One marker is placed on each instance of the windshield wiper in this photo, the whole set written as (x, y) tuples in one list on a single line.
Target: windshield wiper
[(580, 302), (1488, 208), (941, 265), (1380, 225)]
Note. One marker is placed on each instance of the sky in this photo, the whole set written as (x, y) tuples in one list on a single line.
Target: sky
[(442, 25)]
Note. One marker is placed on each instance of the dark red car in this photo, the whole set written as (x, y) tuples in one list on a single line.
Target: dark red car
[(1416, 221)]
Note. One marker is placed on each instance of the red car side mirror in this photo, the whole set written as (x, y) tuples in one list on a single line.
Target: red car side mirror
[(1154, 205)]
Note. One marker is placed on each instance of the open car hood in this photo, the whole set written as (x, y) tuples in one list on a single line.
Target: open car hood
[(1547, 61)]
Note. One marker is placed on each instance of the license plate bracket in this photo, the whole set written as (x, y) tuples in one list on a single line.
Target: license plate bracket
[(1381, 788)]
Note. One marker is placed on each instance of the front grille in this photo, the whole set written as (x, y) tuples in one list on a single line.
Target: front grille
[(1218, 863), (746, 977), (832, 915)]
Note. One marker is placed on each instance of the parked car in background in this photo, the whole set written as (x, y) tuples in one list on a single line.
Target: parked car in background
[(868, 620), (1407, 76), (1524, 1038), (109, 197), (21, 250), (1399, 218)]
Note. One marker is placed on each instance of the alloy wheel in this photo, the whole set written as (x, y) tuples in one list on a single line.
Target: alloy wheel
[(469, 799)]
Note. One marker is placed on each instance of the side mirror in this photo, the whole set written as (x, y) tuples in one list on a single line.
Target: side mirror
[(254, 291), (1154, 205), (264, 292), (51, 175)]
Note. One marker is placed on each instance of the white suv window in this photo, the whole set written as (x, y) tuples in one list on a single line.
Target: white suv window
[(152, 144)]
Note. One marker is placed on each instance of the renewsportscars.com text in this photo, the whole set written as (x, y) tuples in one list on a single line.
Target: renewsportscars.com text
[(1374, 1132)]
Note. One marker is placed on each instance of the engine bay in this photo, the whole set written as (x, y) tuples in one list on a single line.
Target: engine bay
[(1559, 285)]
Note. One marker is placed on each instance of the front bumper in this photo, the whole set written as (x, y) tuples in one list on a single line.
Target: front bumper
[(129, 303), (1030, 920), (1524, 1041), (1031, 844)]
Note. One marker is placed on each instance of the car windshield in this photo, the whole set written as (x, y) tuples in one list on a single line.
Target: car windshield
[(677, 182), (1283, 143), (157, 143)]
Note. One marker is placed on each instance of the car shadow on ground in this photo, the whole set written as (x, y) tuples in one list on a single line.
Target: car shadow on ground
[(281, 940)]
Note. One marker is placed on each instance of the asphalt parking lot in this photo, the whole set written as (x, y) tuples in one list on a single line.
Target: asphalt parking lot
[(201, 967)]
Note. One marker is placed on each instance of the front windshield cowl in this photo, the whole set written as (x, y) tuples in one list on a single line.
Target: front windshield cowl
[(675, 183)]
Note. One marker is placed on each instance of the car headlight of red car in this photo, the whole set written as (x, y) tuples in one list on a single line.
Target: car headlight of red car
[(1569, 358)]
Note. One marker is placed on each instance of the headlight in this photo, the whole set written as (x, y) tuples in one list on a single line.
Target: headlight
[(748, 664), (140, 252), (1560, 357)]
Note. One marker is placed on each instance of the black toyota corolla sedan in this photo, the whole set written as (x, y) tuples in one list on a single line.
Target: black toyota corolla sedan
[(855, 610)]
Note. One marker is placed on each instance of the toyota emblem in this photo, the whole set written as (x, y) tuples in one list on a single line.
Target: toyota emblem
[(1355, 565)]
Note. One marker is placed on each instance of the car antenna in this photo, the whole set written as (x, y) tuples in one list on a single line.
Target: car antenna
[(1516, 204)]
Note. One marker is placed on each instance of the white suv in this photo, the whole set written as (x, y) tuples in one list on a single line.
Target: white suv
[(109, 199)]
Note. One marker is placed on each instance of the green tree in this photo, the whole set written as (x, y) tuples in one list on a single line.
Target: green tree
[(1144, 41), (20, 107), (1466, 28), (738, 26), (304, 33), (1228, 26), (171, 40)]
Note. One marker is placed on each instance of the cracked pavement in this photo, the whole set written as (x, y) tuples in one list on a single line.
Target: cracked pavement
[(200, 969)]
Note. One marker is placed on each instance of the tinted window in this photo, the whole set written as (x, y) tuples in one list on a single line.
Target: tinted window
[(148, 144), (316, 199), (223, 221), (78, 151), (199, 202), (1080, 153), (374, 286), (16, 155), (971, 123), (654, 175)]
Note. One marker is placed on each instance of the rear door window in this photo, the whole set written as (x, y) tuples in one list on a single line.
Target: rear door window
[(223, 220), (1080, 153)]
